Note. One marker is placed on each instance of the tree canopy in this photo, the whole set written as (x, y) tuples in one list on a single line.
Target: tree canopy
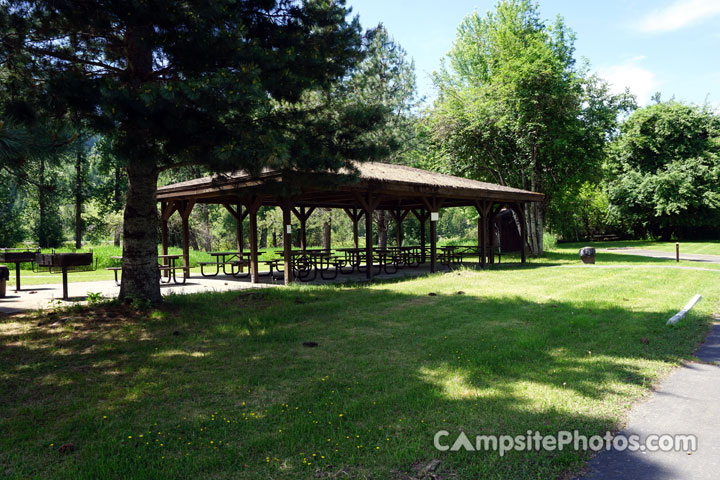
[(187, 83), (664, 170), (515, 109)]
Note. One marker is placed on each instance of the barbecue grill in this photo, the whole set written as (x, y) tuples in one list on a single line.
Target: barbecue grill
[(18, 256), (65, 262)]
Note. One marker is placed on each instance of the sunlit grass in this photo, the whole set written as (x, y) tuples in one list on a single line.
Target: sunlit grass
[(221, 386)]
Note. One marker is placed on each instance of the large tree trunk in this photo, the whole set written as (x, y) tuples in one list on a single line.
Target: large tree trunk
[(42, 207), (118, 202), (141, 277), (536, 212), (382, 229)]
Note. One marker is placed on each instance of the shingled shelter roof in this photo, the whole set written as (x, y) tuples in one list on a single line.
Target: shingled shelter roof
[(396, 185)]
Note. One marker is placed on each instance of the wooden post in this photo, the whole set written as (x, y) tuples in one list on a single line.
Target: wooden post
[(482, 208), (433, 205), (302, 215), (164, 240), (369, 243), (399, 216), (239, 216), (303, 235), (239, 235), (252, 207), (523, 231), (166, 211), (369, 204), (239, 232), (355, 216), (254, 274), (287, 243), (433, 241), (356, 235), (185, 215), (422, 215)]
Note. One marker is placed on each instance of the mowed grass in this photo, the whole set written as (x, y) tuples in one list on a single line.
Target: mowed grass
[(706, 247), (564, 253), (221, 386)]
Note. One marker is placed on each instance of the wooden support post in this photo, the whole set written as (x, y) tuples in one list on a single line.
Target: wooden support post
[(422, 215), (302, 215), (355, 216), (287, 243), (17, 276), (303, 235), (239, 216), (239, 235), (433, 205), (483, 209), (164, 240), (185, 212), (239, 222), (433, 242), (356, 235), (492, 212), (166, 211), (253, 206), (369, 204), (369, 243), (523, 230), (399, 216)]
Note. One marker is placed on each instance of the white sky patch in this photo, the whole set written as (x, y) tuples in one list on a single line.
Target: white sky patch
[(679, 14), (628, 74)]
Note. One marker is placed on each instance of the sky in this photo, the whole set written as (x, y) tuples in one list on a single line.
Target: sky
[(666, 46)]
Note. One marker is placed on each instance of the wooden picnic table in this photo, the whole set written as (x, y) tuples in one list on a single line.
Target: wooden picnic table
[(306, 264), (232, 258)]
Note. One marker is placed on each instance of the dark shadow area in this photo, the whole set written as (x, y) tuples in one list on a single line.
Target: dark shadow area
[(388, 371)]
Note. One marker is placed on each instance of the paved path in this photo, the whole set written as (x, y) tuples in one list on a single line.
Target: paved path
[(687, 402), (691, 257)]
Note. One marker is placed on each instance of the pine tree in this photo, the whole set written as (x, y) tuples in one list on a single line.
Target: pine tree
[(186, 83)]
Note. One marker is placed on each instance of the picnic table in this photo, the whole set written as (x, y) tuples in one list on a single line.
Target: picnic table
[(306, 264), (234, 259), (455, 254)]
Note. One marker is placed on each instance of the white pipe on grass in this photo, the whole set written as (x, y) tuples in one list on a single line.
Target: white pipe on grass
[(681, 314)]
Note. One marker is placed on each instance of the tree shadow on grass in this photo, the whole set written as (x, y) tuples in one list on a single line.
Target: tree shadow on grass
[(227, 382)]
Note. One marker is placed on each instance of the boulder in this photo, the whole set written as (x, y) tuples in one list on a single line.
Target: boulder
[(587, 254)]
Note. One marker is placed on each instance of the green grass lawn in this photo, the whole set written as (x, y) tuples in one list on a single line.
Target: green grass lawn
[(704, 247), (564, 253), (221, 386)]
